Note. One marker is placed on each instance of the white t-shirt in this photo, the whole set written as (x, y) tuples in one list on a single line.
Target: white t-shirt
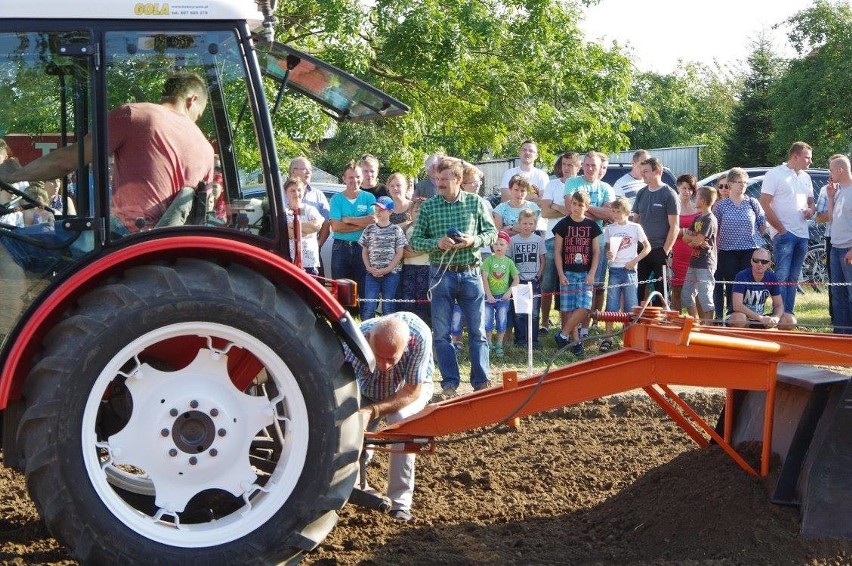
[(626, 186), (790, 192), (626, 237), (535, 176), (310, 244), (554, 191)]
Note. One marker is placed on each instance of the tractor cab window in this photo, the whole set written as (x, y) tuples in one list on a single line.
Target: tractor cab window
[(46, 99), (180, 128)]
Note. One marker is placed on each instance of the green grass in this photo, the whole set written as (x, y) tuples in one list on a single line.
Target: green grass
[(811, 312)]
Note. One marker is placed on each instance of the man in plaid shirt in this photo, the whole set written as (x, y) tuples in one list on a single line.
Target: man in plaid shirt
[(454, 274), (400, 386)]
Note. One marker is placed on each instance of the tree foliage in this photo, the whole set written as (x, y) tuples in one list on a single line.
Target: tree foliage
[(809, 100), (749, 141), (480, 76), (691, 106)]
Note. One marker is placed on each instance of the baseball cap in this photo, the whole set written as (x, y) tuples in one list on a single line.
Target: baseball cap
[(385, 203), (501, 235)]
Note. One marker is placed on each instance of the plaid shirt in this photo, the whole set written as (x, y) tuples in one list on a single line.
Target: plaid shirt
[(415, 365), (467, 213)]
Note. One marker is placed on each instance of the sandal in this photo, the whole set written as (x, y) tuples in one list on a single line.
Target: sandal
[(606, 346)]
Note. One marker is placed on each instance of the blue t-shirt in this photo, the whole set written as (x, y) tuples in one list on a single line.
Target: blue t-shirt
[(600, 193), (755, 294), (341, 207), (509, 215)]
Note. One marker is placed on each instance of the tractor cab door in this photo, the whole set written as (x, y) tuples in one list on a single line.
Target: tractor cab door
[(88, 173), (46, 95)]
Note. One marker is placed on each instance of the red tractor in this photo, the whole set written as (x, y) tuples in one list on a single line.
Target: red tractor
[(175, 394)]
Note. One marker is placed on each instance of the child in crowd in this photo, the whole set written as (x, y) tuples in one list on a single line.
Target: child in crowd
[(621, 239), (39, 215), (471, 182), (310, 221), (577, 256), (382, 246), (499, 275), (415, 272), (528, 253), (506, 213), (701, 237)]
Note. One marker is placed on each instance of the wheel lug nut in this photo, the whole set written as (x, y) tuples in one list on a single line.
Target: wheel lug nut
[(193, 460), (222, 432), (164, 432), (173, 412), (193, 404), (173, 452), (214, 452), (214, 412)]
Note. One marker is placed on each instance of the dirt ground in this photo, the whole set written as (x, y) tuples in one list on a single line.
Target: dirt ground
[(611, 481)]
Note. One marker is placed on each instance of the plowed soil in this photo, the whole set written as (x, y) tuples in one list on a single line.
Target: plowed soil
[(612, 481)]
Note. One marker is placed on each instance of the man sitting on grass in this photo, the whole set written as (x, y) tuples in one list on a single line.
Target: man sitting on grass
[(751, 289)]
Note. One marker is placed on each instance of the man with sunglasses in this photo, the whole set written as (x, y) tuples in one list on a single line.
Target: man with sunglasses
[(752, 287)]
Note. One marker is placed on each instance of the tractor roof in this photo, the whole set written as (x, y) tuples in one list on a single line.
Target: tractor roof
[(245, 10)]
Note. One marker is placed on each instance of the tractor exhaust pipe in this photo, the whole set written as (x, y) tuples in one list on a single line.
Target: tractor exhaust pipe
[(267, 8)]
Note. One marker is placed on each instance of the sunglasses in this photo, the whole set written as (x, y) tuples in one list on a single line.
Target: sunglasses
[(761, 261), (722, 186)]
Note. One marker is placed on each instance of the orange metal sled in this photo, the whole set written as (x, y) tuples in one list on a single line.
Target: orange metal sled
[(660, 350)]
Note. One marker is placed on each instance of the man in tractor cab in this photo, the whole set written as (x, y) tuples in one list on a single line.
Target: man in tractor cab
[(159, 150)]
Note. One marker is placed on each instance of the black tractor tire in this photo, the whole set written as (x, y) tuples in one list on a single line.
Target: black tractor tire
[(98, 396)]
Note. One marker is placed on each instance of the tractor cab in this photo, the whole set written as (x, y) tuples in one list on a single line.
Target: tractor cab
[(61, 79), (167, 375)]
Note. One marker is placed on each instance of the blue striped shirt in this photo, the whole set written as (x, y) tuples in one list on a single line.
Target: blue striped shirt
[(415, 366)]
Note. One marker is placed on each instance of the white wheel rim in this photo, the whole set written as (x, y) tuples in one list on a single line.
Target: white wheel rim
[(224, 462)]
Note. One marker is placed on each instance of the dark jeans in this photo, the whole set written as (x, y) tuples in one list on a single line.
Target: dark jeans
[(655, 263), (731, 262), (346, 263)]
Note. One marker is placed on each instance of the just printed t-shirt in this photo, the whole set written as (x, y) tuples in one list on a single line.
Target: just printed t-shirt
[(577, 238)]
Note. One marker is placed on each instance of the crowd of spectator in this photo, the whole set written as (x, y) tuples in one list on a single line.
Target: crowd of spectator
[(438, 249)]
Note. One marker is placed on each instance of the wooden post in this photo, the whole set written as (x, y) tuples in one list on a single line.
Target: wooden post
[(510, 381)]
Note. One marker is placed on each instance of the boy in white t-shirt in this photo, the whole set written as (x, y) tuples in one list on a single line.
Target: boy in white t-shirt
[(621, 239), (310, 220)]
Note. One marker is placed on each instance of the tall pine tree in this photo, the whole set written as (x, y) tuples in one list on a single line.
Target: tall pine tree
[(748, 144)]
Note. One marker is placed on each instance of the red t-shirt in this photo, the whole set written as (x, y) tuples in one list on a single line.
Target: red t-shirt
[(157, 152)]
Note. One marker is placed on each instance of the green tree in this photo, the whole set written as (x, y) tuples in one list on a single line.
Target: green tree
[(690, 106), (479, 76), (751, 131), (809, 98)]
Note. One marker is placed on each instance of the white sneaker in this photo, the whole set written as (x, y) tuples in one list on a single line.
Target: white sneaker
[(584, 333)]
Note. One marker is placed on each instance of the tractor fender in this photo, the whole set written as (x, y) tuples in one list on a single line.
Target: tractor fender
[(62, 295)]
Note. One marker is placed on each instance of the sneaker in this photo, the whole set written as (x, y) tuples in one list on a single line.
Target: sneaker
[(578, 350), (458, 347), (605, 346), (485, 385), (560, 340), (401, 515), (584, 333), (543, 330), (498, 350), (449, 392)]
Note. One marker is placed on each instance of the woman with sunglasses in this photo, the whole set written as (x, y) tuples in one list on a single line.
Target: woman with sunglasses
[(741, 226)]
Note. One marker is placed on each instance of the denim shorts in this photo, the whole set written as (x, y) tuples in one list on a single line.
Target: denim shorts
[(576, 294)]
